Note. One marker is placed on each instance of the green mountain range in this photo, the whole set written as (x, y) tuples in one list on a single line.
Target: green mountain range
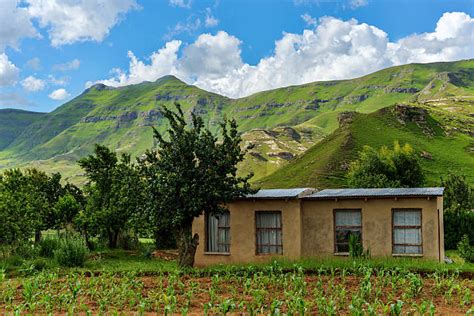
[(302, 135)]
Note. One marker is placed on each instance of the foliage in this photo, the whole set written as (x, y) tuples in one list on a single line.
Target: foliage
[(114, 194), (384, 168), (71, 252), (47, 246), (466, 249), (191, 173), (458, 216), (356, 249)]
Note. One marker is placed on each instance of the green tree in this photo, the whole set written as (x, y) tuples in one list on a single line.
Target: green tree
[(190, 173), (114, 194), (458, 214), (397, 167)]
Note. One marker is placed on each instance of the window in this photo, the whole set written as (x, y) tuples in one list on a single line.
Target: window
[(347, 222), (269, 239), (407, 231), (218, 233)]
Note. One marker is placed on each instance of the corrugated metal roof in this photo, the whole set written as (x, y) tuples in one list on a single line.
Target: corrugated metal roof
[(281, 193), (388, 192)]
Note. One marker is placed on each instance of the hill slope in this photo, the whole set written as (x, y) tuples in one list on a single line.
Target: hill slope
[(14, 122), (281, 123), (325, 164)]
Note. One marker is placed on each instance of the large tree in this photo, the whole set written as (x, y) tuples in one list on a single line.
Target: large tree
[(190, 173), (114, 190), (397, 167)]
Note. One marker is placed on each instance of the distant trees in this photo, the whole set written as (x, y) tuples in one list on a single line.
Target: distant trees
[(458, 215), (192, 173), (386, 168), (28, 201)]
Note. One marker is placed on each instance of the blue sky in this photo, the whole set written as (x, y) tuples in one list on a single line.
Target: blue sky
[(50, 51)]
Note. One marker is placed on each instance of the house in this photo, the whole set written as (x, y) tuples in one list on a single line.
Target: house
[(303, 222)]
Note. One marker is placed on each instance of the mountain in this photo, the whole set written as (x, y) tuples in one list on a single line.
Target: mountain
[(284, 126), (325, 164), (14, 122)]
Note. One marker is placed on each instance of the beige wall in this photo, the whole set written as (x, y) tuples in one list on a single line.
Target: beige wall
[(308, 228), (318, 225), (242, 232)]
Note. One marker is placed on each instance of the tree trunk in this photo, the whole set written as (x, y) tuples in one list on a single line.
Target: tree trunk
[(187, 244), (113, 237), (37, 236)]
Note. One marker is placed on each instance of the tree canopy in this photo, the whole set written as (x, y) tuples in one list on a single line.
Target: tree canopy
[(190, 173), (389, 168)]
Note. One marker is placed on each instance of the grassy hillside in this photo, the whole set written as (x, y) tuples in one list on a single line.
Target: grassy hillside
[(325, 164), (14, 122), (281, 124)]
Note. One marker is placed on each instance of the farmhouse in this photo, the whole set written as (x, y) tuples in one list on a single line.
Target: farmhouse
[(300, 223)]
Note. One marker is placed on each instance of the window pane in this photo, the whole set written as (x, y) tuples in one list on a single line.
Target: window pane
[(407, 218), (407, 249), (218, 232), (269, 235), (348, 218), (407, 236)]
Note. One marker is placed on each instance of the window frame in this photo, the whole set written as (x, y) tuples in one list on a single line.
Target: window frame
[(257, 229), (219, 228), (335, 227), (420, 227)]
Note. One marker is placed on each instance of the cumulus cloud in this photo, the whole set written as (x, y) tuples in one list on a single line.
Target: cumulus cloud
[(59, 94), (70, 65), (80, 20), (15, 24), (8, 71), (334, 49), (33, 84), (180, 3)]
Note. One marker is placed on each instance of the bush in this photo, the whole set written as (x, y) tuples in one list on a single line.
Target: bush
[(128, 241), (457, 223), (465, 249), (71, 252), (25, 250), (47, 247)]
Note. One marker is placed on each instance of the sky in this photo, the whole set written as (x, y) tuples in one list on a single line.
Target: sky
[(51, 50)]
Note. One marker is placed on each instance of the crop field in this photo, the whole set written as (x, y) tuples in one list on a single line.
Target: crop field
[(251, 290)]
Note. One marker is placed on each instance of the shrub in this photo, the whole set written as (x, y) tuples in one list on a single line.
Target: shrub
[(128, 241), (47, 247), (356, 250), (466, 250), (25, 250), (71, 252)]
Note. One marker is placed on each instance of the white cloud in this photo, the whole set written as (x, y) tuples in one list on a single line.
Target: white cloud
[(70, 65), (180, 3), (309, 20), (79, 20), (8, 71), (15, 24), (191, 25), (58, 81), (59, 94), (334, 49), (34, 63), (210, 20), (33, 84)]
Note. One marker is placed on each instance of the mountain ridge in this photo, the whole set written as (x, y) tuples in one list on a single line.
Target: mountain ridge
[(121, 117)]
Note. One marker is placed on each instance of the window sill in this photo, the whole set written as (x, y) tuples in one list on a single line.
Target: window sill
[(342, 254), (413, 255), (217, 253), (269, 254)]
